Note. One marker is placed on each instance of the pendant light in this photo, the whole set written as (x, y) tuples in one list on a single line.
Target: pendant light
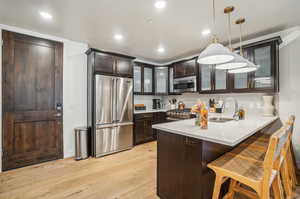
[(238, 61), (251, 67), (215, 53)]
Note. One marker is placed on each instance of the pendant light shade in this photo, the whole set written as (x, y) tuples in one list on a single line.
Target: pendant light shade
[(243, 70), (251, 67), (215, 53), (237, 62)]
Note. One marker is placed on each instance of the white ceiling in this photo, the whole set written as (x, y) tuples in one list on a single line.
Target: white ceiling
[(177, 27)]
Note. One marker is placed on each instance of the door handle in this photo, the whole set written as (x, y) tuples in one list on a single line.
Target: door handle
[(57, 115), (58, 106)]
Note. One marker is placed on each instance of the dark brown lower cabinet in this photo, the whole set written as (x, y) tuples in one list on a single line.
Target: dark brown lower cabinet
[(181, 166), (182, 171), (143, 122), (143, 128)]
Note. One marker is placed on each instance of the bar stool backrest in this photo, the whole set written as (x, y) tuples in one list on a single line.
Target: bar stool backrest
[(278, 145)]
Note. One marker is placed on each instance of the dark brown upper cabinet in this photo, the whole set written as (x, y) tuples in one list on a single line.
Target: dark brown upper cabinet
[(205, 78), (143, 79), (185, 68), (212, 80), (104, 63), (161, 80), (171, 81), (124, 66), (108, 63), (266, 78)]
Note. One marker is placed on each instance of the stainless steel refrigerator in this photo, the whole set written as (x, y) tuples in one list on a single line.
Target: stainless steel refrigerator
[(113, 114)]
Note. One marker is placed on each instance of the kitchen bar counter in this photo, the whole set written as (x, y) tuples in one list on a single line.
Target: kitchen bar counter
[(184, 150), (228, 133)]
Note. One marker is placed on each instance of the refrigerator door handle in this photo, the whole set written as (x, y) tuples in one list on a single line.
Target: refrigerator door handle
[(116, 100), (113, 108), (103, 126)]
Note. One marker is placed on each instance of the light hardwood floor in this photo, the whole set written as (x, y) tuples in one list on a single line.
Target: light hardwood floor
[(126, 175)]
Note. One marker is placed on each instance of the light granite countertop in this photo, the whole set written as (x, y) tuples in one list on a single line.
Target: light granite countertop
[(228, 133), (150, 111)]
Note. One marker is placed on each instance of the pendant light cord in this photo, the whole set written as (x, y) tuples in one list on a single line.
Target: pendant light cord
[(229, 31), (214, 21), (241, 48)]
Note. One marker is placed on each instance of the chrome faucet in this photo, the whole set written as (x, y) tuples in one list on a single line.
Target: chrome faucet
[(236, 110), (236, 107)]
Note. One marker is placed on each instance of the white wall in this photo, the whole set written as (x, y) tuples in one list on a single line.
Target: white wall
[(289, 96), (74, 87), (74, 92)]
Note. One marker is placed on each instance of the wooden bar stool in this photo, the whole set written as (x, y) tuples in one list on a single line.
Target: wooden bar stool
[(256, 146), (258, 175)]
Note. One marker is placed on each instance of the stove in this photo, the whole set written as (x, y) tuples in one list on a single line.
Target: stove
[(176, 114)]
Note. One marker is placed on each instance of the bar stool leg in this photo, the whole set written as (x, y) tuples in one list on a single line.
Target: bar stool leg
[(287, 184), (291, 168), (230, 194), (265, 194), (217, 186), (277, 188)]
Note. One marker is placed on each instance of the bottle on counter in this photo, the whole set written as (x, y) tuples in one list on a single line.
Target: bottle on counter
[(212, 106), (204, 117), (242, 113)]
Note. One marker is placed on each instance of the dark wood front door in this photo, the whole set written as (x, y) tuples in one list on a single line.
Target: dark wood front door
[(31, 100)]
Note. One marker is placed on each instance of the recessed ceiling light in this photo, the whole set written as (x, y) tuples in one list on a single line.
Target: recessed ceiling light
[(46, 15), (161, 50), (205, 32), (118, 37), (160, 4)]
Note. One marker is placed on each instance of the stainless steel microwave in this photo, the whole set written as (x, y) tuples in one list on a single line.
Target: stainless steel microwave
[(185, 84)]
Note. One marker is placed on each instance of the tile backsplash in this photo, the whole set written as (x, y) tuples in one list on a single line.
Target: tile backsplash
[(251, 102), (146, 100)]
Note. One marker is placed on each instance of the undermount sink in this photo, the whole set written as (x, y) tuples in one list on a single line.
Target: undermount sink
[(220, 119)]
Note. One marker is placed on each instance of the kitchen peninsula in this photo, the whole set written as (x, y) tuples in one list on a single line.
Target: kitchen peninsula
[(184, 150)]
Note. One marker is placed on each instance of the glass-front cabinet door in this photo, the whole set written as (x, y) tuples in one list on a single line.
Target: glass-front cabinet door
[(220, 80), (137, 76), (171, 80), (241, 80), (263, 76), (148, 80), (161, 80), (205, 78)]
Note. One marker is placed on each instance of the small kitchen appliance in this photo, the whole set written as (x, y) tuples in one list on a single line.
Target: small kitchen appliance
[(156, 104)]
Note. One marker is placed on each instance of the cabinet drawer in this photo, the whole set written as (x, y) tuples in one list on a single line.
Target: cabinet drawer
[(159, 117), (142, 116)]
